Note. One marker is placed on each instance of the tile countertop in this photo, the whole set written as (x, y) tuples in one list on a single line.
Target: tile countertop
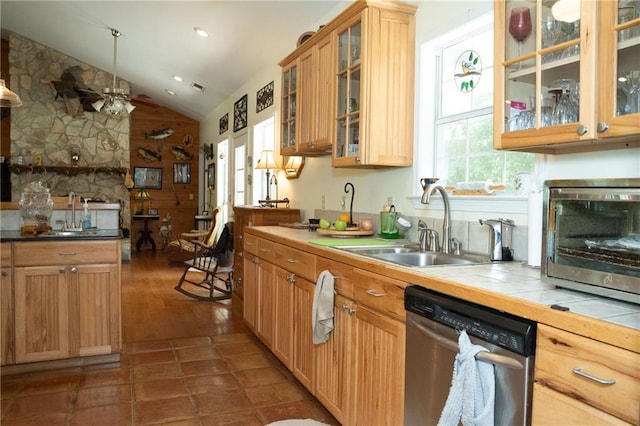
[(97, 234), (508, 286)]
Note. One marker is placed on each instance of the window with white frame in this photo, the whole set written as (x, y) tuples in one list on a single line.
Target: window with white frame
[(456, 102), (239, 174), (263, 138), (222, 177)]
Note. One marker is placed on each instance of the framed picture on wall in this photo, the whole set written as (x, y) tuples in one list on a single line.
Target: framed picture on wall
[(224, 123), (211, 176), (147, 178), (240, 114), (181, 172)]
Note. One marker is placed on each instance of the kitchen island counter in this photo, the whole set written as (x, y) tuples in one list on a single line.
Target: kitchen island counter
[(92, 234), (507, 286)]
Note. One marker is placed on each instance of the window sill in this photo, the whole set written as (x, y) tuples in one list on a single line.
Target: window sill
[(504, 204)]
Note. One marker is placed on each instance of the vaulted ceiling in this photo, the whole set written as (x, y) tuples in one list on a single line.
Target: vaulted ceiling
[(158, 41)]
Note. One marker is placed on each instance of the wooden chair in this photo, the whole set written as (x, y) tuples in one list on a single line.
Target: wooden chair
[(183, 248), (210, 269)]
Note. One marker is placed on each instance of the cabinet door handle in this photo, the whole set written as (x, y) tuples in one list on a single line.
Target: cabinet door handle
[(68, 253), (602, 127), (5, 274), (74, 269), (579, 372), (254, 260), (62, 270), (291, 278), (582, 129), (240, 237), (374, 294)]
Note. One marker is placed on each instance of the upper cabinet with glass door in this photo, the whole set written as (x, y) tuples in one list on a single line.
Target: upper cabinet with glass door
[(554, 72), (288, 132), (374, 85)]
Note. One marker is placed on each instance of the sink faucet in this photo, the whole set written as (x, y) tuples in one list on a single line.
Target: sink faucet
[(72, 201), (446, 226)]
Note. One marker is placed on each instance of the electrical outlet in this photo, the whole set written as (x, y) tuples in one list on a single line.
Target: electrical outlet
[(389, 200), (324, 199)]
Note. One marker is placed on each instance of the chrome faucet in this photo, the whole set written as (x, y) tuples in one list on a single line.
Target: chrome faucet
[(446, 226), (422, 235), (72, 202)]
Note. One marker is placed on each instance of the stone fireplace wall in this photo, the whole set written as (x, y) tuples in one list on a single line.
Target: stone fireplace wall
[(48, 129)]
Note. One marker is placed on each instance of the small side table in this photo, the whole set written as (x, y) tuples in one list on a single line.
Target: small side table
[(201, 219), (145, 233)]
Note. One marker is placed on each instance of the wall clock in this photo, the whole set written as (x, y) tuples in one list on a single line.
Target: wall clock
[(240, 114)]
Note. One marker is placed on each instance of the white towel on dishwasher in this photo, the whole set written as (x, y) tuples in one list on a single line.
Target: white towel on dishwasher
[(322, 310), (472, 394)]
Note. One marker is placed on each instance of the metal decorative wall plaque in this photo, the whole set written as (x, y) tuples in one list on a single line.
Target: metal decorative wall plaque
[(264, 97)]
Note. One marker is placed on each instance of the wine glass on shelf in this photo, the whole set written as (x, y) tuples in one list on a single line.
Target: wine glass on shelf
[(520, 25), (550, 34)]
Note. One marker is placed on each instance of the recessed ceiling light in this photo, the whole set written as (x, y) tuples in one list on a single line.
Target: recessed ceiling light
[(201, 32), (171, 92), (197, 86), (177, 78)]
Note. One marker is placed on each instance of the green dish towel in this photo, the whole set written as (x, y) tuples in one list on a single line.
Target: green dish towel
[(351, 242)]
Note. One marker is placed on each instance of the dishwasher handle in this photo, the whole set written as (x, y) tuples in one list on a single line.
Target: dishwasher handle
[(487, 357)]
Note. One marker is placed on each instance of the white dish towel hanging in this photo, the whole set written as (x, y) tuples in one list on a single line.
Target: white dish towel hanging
[(322, 310), (472, 394)]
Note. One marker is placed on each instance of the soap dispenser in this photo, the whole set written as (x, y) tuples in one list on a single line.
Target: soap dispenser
[(499, 238), (86, 214)]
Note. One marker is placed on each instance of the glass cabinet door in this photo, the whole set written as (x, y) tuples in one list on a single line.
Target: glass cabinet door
[(627, 39), (348, 89), (288, 124)]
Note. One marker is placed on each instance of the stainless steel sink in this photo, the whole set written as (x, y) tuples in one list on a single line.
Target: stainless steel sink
[(412, 256)]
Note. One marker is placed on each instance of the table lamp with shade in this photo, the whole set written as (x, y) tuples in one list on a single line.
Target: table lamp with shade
[(267, 162), (142, 196)]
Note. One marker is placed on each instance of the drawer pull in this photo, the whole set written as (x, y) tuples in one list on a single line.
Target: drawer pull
[(579, 372), (264, 250), (289, 260), (374, 294), (69, 253)]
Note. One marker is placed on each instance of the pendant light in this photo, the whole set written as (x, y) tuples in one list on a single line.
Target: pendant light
[(114, 100), (8, 99)]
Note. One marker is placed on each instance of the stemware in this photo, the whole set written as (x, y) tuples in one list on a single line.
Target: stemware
[(550, 31), (566, 110), (520, 25)]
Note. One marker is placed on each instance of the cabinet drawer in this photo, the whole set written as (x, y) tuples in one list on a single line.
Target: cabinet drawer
[(296, 261), (266, 250), (343, 274), (385, 295), (250, 243), (5, 255), (560, 353), (56, 253)]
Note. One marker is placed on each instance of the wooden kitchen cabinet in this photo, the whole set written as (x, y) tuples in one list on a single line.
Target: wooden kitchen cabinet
[(307, 99), (584, 65), (250, 216), (67, 300), (374, 85), (7, 326), (562, 396)]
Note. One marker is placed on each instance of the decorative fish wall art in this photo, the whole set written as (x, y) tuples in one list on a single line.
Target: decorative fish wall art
[(180, 153), (159, 134), (149, 155)]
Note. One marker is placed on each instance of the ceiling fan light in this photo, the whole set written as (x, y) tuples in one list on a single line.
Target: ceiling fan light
[(97, 105), (129, 107), (8, 99)]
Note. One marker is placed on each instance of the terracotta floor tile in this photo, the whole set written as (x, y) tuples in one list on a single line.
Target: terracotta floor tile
[(191, 342), (112, 376), (40, 419), (160, 389), (231, 338), (156, 372), (51, 383), (133, 348), (246, 362), (103, 395), (296, 410), (186, 422), (211, 383), (227, 401), (33, 405), (239, 418), (241, 348), (158, 357), (197, 353), (164, 410), (108, 415), (207, 366), (260, 376), (274, 394)]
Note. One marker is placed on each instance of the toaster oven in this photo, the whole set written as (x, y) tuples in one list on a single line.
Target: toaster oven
[(591, 236)]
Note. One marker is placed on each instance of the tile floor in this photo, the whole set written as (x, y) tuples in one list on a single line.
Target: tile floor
[(228, 379)]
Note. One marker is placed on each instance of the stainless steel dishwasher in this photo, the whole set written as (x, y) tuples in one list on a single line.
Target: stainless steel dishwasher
[(433, 321)]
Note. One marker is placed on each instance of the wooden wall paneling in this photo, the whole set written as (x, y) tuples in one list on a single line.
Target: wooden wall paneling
[(180, 200)]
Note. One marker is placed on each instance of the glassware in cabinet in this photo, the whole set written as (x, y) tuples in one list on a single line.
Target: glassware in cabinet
[(348, 90), (288, 123)]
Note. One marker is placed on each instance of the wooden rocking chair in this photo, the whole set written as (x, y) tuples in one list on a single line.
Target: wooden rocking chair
[(208, 275), (183, 248)]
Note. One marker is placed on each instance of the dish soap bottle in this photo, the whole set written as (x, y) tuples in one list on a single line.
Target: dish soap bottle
[(86, 215)]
